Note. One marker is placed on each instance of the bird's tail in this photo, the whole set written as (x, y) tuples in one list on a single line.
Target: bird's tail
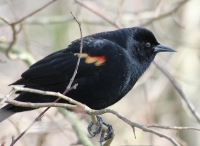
[(6, 112)]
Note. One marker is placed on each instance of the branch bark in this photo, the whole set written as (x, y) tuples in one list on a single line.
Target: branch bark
[(86, 109)]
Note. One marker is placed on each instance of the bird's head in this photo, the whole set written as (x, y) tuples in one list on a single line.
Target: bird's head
[(145, 46)]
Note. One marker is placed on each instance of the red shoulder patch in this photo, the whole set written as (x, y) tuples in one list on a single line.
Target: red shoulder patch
[(97, 60)]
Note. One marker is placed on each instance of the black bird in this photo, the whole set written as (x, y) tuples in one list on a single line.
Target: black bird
[(111, 64)]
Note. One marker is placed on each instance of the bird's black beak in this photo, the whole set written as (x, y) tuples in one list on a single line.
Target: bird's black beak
[(162, 48)]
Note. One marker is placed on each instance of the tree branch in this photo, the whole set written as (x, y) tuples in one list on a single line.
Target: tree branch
[(145, 128), (98, 12), (79, 58), (34, 12)]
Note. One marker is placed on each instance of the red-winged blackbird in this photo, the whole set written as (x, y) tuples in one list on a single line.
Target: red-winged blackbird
[(110, 65)]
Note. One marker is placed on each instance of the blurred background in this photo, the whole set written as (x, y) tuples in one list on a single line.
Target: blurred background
[(152, 100)]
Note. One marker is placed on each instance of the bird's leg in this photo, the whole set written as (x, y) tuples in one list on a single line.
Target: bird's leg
[(98, 128), (110, 131)]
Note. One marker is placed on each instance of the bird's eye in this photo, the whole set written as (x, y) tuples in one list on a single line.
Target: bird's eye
[(148, 44)]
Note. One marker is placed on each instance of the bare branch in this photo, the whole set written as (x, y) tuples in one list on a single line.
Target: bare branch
[(120, 11), (15, 32), (39, 105), (79, 58), (14, 39), (171, 127), (157, 17), (17, 88), (133, 124), (2, 39), (5, 20), (93, 112), (98, 12), (34, 12)]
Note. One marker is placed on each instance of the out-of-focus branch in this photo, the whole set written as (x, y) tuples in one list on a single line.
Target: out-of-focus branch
[(156, 16), (56, 20), (153, 15), (15, 32), (14, 39), (2, 39), (22, 55), (178, 21), (98, 12), (34, 12), (179, 90), (5, 20), (120, 11)]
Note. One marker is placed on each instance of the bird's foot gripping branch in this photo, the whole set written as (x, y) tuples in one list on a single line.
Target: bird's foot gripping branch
[(99, 122)]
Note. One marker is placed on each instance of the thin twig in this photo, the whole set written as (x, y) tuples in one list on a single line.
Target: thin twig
[(34, 12), (2, 39), (14, 39), (178, 21), (98, 12), (120, 11), (79, 58), (46, 20), (157, 17)]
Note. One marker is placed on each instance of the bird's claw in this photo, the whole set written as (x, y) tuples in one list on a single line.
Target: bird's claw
[(110, 132), (98, 130)]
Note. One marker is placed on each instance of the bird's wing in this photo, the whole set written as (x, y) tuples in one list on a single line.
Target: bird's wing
[(59, 66)]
